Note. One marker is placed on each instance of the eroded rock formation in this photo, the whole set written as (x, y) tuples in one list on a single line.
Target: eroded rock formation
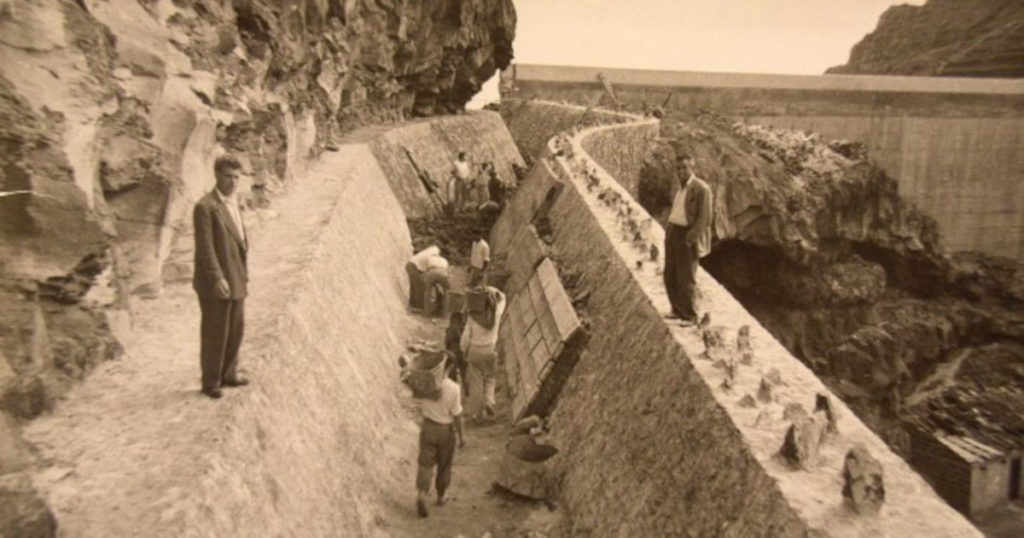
[(817, 244), (960, 38), (111, 113)]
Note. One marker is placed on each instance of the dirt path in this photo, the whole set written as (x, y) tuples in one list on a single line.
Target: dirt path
[(474, 507), (135, 450)]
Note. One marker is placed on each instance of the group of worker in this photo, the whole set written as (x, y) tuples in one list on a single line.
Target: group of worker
[(472, 333), (481, 190)]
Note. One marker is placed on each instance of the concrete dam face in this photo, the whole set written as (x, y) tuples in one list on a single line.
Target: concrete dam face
[(953, 145)]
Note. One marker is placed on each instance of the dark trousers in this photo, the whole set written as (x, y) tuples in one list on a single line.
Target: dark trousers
[(680, 272), (415, 285), (437, 447), (220, 335)]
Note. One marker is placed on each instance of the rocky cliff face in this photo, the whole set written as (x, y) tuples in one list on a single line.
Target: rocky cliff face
[(961, 38), (112, 112), (817, 244)]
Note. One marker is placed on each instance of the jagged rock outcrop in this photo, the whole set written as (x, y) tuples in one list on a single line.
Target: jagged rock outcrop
[(112, 112), (816, 242), (960, 38)]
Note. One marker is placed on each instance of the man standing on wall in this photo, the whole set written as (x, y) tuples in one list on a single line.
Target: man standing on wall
[(220, 278), (687, 239)]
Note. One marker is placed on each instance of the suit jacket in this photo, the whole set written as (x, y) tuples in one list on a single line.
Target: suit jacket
[(698, 213), (220, 250)]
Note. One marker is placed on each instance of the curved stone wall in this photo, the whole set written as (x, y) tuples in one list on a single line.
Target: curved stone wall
[(651, 444)]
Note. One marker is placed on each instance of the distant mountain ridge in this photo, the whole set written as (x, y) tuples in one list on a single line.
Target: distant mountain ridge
[(961, 38)]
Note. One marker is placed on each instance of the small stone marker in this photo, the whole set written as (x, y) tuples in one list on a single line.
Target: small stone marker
[(774, 376), (743, 339), (764, 391), (822, 403), (863, 484), (747, 401), (794, 412), (713, 341), (800, 446)]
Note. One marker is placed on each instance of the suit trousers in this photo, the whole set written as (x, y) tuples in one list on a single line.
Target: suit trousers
[(680, 272), (220, 334)]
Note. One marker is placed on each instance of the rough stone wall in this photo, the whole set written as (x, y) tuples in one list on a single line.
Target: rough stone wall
[(434, 144), (950, 143), (623, 152), (532, 122), (112, 112), (307, 455), (651, 444)]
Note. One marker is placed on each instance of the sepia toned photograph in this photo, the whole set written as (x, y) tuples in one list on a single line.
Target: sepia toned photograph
[(511, 268)]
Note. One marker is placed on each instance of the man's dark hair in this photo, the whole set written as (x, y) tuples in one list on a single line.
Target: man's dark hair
[(225, 163)]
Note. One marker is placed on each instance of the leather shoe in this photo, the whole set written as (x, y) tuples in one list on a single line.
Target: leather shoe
[(236, 382), (213, 393)]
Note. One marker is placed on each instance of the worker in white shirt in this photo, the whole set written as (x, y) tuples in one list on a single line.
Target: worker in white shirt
[(479, 340), (479, 260), (464, 176), (440, 431), (428, 275)]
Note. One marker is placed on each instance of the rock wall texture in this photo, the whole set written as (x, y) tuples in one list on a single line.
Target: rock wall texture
[(649, 442), (431, 146), (112, 112), (949, 143), (623, 152), (973, 38), (320, 441), (532, 122)]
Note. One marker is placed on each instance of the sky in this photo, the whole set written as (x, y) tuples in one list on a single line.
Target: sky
[(740, 36)]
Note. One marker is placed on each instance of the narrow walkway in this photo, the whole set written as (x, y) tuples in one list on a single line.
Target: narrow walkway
[(474, 508), (136, 450)]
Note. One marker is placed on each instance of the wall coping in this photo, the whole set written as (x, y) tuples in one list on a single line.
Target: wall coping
[(851, 83), (911, 508)]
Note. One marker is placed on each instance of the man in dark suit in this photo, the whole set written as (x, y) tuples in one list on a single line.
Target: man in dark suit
[(687, 239), (220, 278)]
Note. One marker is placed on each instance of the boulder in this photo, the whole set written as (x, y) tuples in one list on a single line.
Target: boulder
[(800, 445)]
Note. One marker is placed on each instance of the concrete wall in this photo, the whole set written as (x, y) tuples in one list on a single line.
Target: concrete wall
[(952, 144), (651, 445)]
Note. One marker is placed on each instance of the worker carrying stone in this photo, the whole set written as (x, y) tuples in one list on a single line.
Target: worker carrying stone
[(485, 305), (440, 405), (479, 260), (429, 279)]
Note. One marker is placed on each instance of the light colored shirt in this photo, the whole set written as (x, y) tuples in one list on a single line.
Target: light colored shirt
[(480, 254), (436, 262), (231, 202), (444, 409), (420, 258), (678, 214), (462, 169), (475, 335)]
